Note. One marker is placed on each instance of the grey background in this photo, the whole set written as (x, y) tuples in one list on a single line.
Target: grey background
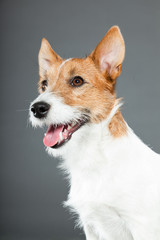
[(32, 188)]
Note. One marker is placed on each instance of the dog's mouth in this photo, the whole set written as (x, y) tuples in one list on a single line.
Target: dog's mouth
[(58, 135)]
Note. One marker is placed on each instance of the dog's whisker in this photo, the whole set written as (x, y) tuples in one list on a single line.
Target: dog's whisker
[(22, 110)]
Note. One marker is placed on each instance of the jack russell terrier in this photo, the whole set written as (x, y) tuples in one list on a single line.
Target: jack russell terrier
[(114, 177)]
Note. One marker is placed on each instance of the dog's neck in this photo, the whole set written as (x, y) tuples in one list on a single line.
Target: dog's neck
[(86, 150)]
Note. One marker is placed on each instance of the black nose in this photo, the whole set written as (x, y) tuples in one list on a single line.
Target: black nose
[(40, 109)]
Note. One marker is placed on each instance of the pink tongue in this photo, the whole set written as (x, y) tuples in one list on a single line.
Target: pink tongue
[(52, 136)]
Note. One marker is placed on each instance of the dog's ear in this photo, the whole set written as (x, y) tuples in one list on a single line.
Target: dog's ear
[(109, 53), (47, 57)]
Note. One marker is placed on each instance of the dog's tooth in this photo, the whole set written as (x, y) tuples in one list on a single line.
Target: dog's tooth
[(69, 127), (60, 136), (73, 124), (65, 130)]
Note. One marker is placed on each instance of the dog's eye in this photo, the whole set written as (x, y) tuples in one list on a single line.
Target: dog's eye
[(77, 81), (44, 85)]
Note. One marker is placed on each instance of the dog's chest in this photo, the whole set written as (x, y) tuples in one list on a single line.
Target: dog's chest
[(89, 176), (92, 192)]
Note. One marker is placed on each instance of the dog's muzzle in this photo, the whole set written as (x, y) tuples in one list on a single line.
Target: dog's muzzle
[(40, 109), (60, 133)]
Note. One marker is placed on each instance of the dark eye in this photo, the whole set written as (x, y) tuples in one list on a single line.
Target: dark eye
[(44, 85), (77, 81)]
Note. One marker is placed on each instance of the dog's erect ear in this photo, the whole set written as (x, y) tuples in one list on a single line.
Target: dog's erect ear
[(109, 53), (46, 57)]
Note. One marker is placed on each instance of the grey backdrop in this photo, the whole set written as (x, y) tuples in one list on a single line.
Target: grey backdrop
[(32, 188)]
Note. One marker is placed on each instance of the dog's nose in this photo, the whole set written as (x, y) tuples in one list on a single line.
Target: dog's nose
[(40, 109)]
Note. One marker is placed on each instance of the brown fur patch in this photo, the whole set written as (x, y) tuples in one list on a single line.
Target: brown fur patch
[(117, 126)]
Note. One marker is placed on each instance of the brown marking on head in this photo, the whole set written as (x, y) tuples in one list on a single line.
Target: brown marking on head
[(99, 71), (72, 72), (93, 95)]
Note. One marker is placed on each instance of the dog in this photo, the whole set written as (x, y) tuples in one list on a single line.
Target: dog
[(114, 177)]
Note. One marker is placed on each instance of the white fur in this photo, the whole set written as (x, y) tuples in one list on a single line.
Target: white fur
[(115, 182)]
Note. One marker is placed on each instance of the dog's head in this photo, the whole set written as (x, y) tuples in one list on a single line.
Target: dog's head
[(76, 92)]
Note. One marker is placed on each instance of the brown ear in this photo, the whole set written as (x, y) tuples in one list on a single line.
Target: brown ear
[(47, 57), (109, 53)]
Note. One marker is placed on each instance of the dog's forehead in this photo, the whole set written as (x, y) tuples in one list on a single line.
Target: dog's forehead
[(72, 67), (62, 72)]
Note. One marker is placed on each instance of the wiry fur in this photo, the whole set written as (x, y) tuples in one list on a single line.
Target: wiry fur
[(114, 179)]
